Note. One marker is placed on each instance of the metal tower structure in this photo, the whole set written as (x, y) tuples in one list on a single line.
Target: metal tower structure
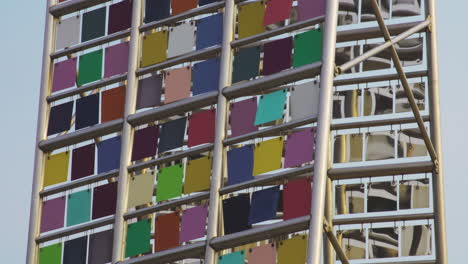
[(377, 174)]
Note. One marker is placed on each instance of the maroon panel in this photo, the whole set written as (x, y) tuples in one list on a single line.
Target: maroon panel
[(120, 16), (145, 143), (201, 128), (277, 56), (83, 162), (104, 200), (297, 196)]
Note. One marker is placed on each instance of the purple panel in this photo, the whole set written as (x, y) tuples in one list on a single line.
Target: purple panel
[(116, 61), (145, 143), (120, 16), (277, 56), (308, 9), (83, 162), (193, 223), (53, 214), (243, 117), (64, 75), (100, 247), (299, 148), (104, 200)]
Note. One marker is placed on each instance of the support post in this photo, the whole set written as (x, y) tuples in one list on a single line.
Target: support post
[(329, 253), (322, 154), (404, 82), (436, 136), (41, 133), (127, 134), (219, 154)]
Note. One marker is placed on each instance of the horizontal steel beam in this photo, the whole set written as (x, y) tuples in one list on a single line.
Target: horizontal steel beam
[(376, 78), (261, 180), (81, 135), (172, 157), (377, 122), (380, 170), (382, 261), (276, 32), (373, 32), (71, 6), (350, 220), (78, 183), (203, 54), (90, 44), (173, 109), (86, 88), (272, 81), (108, 220), (260, 233), (189, 14), (195, 250), (167, 205)]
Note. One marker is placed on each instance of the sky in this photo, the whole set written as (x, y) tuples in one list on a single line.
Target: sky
[(20, 68)]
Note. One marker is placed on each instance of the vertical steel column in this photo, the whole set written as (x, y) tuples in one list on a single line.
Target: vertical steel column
[(436, 138), (220, 132), (328, 250), (127, 133), (42, 118), (322, 157)]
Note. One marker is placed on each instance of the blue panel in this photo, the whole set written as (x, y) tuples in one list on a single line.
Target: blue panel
[(60, 118), (157, 10), (209, 31), (172, 135), (205, 76), (108, 154), (87, 111), (264, 205), (240, 164), (205, 2)]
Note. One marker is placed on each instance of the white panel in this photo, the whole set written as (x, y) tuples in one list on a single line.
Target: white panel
[(304, 100), (181, 40), (68, 32)]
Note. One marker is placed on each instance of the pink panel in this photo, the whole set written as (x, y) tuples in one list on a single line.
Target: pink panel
[(299, 148), (243, 117), (116, 61), (193, 224), (308, 9), (53, 214), (265, 254), (178, 84)]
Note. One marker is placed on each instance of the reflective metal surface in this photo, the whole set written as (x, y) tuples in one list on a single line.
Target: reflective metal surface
[(378, 101), (411, 143), (354, 244), (349, 198), (380, 145), (348, 148), (414, 194), (383, 242), (345, 54), (401, 101), (382, 196), (367, 13), (416, 240), (346, 104)]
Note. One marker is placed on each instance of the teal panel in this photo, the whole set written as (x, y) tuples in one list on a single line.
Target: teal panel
[(138, 238), (79, 207), (232, 258), (270, 107)]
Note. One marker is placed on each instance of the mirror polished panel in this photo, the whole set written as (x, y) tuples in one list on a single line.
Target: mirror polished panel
[(353, 243), (383, 242), (410, 51), (380, 145), (403, 8), (382, 196), (414, 194), (379, 61), (348, 12), (419, 91), (349, 198), (348, 148), (416, 240), (411, 144), (345, 54), (346, 104), (367, 12), (378, 101)]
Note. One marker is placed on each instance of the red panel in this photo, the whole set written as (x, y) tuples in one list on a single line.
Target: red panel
[(167, 232), (277, 11), (201, 128), (297, 196)]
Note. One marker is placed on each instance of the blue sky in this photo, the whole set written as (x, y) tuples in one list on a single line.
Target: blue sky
[(20, 66)]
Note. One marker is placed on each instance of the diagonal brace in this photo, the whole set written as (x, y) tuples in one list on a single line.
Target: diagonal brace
[(334, 241), (404, 81)]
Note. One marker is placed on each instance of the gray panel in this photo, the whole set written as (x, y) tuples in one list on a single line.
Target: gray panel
[(181, 39), (304, 100), (68, 32)]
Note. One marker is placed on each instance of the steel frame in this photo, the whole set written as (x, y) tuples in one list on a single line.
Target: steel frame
[(320, 223)]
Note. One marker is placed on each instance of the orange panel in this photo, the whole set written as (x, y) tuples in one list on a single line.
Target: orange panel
[(113, 102), (167, 232), (180, 6)]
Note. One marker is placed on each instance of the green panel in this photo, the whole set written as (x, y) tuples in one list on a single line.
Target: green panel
[(90, 67), (246, 64), (94, 24), (307, 48), (169, 183), (51, 254), (232, 258), (270, 107), (138, 238), (79, 207)]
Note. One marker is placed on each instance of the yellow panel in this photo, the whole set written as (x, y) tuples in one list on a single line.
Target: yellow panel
[(56, 168), (154, 48), (140, 190), (197, 176), (251, 19), (267, 156), (293, 251)]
